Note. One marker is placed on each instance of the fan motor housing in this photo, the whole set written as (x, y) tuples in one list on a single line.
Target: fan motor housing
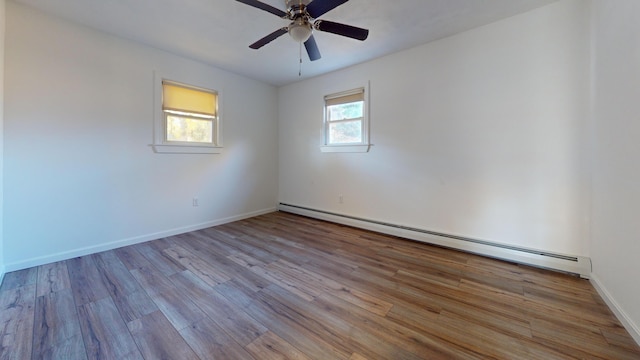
[(292, 3), (297, 9)]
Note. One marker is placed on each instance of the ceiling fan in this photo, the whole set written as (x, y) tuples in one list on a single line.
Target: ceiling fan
[(302, 13)]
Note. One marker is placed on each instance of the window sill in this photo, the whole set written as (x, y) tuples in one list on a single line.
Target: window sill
[(186, 149), (345, 148)]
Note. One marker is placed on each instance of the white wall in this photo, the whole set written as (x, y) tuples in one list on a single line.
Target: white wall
[(481, 134), (2, 31), (616, 174), (79, 174)]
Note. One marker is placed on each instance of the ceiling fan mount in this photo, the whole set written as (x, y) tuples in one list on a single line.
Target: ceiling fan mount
[(302, 13)]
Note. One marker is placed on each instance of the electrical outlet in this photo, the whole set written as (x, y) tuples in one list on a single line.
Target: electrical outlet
[(195, 202)]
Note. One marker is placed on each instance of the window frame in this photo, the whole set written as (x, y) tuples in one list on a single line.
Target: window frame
[(360, 147), (160, 143)]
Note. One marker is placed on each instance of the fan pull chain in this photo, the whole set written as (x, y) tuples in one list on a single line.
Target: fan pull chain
[(300, 68)]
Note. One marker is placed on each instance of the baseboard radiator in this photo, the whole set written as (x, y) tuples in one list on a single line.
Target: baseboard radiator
[(578, 265)]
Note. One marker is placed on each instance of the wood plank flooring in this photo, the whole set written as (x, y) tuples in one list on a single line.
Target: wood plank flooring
[(281, 286)]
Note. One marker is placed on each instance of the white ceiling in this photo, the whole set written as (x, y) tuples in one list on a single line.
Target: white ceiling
[(218, 32)]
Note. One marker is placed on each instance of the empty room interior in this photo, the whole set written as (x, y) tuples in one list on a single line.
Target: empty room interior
[(369, 180)]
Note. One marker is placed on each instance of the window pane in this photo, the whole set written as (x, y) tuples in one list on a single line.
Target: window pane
[(189, 129), (352, 110), (347, 132)]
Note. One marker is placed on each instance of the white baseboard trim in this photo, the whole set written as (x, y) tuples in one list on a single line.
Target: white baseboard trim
[(65, 255), (626, 321), (579, 265)]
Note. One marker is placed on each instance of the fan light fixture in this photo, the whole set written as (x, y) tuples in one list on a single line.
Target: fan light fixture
[(304, 15), (300, 30)]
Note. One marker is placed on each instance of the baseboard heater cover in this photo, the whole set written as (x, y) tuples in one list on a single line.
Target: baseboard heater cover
[(579, 265)]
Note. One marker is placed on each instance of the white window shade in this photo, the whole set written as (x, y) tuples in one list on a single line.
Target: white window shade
[(345, 97), (182, 99)]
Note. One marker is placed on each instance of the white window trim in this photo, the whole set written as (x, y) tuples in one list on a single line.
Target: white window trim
[(345, 148), (160, 145), (363, 147)]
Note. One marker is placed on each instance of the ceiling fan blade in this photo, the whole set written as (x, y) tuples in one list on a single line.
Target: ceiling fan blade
[(342, 29), (269, 38), (265, 7), (319, 7), (312, 49)]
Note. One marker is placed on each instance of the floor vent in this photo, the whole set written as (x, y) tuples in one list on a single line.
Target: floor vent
[(579, 265)]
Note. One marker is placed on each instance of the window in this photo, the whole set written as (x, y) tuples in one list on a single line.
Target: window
[(187, 119), (189, 113), (345, 122)]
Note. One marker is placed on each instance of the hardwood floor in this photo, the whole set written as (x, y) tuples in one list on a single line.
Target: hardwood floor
[(281, 286)]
